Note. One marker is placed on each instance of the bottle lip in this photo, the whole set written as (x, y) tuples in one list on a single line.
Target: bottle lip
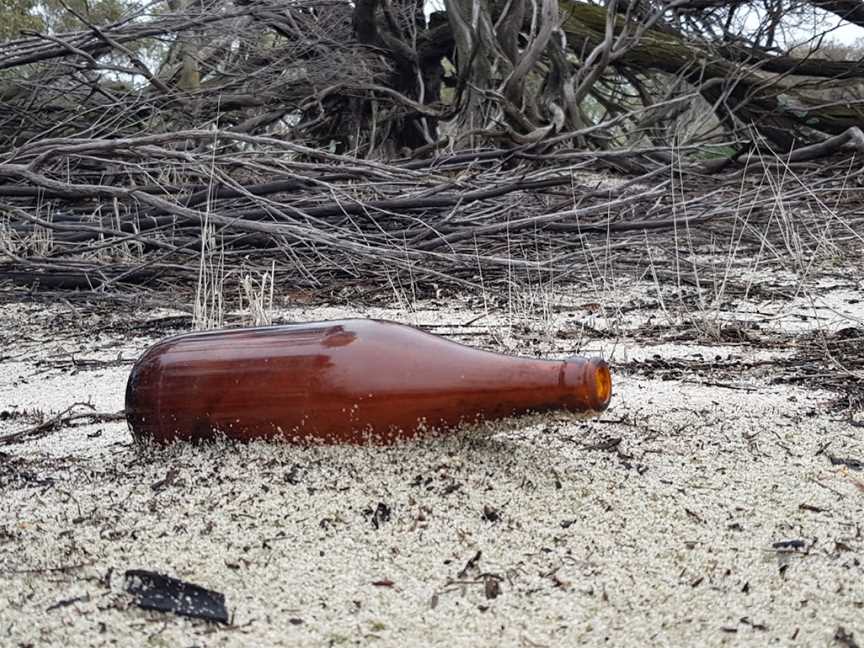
[(603, 381), (596, 377)]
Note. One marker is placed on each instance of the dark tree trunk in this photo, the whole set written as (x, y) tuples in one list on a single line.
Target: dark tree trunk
[(782, 114)]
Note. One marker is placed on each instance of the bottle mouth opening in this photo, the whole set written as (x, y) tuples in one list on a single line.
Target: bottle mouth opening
[(603, 383), (591, 381)]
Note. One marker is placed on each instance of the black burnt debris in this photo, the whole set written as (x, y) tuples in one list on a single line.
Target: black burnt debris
[(153, 591)]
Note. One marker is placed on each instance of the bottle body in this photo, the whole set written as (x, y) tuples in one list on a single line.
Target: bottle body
[(346, 381)]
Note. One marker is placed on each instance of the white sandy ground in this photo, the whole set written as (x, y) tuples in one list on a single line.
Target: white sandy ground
[(666, 540)]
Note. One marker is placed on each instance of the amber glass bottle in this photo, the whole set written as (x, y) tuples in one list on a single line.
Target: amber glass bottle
[(347, 381)]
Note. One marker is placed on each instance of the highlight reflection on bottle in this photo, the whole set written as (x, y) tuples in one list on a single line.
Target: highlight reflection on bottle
[(345, 381)]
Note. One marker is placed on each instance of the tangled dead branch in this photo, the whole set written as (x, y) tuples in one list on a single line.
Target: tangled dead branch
[(254, 66), (485, 219), (258, 131)]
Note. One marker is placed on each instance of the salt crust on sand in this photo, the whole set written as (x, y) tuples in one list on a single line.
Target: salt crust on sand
[(664, 540)]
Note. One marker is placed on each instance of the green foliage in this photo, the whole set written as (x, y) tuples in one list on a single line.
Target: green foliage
[(98, 12), (15, 16), (57, 16)]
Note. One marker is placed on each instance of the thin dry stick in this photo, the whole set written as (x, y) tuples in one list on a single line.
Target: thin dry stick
[(61, 420)]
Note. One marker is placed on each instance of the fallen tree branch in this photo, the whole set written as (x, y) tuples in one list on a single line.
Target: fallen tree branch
[(64, 419)]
